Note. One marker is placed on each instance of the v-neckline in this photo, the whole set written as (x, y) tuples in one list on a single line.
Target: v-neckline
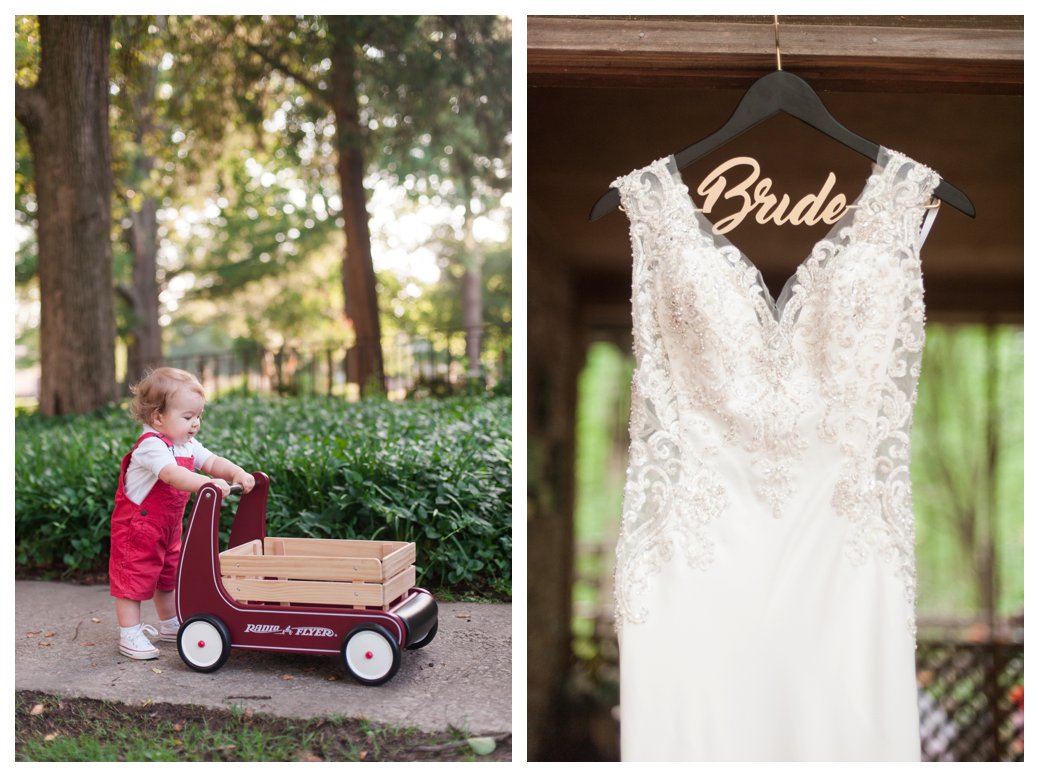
[(722, 245)]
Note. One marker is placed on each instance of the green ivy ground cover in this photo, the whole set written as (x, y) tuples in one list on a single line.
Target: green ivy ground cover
[(434, 472)]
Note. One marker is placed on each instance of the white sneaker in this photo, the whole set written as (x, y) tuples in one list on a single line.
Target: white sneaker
[(168, 634), (136, 644)]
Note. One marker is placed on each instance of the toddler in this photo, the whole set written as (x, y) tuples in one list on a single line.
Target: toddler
[(156, 478)]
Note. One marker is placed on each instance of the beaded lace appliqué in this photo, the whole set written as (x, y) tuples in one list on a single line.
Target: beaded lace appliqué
[(720, 365)]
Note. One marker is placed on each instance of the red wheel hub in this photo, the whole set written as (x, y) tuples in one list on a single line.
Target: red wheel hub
[(369, 655), (201, 643)]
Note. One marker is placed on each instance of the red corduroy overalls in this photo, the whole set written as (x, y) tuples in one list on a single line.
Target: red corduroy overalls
[(146, 536)]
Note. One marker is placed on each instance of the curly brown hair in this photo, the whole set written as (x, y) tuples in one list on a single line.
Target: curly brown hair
[(154, 390)]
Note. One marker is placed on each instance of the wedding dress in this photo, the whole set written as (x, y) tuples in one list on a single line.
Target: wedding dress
[(765, 581)]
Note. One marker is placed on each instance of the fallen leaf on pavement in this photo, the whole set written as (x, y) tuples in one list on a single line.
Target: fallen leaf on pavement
[(156, 670), (463, 615), (51, 634), (287, 677), (32, 633), (87, 644), (481, 745), (96, 620), (45, 644)]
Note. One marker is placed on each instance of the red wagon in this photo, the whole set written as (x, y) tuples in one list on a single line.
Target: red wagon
[(351, 598)]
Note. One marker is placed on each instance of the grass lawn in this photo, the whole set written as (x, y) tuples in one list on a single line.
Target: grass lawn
[(51, 728)]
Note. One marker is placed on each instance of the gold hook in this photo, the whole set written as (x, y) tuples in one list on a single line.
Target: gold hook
[(779, 62)]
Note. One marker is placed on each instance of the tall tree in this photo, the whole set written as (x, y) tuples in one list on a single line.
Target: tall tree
[(466, 107), (356, 95), (136, 75), (359, 292), (317, 66), (481, 55), (65, 117)]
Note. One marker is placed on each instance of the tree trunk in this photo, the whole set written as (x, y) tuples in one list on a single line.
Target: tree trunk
[(66, 121), (472, 301), (358, 275), (144, 345), (987, 560)]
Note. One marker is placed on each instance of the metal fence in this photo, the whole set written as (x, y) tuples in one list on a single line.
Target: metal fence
[(971, 700), (413, 366)]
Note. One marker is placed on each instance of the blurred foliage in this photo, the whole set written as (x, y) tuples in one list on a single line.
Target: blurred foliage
[(226, 122), (951, 451), (412, 307), (26, 67), (599, 470)]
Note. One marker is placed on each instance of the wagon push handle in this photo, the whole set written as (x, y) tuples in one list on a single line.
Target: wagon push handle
[(250, 520), (200, 551), (235, 489)]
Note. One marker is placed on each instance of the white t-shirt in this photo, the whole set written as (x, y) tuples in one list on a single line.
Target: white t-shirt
[(148, 460)]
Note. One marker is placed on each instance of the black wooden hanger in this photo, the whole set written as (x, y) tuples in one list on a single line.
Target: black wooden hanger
[(778, 91)]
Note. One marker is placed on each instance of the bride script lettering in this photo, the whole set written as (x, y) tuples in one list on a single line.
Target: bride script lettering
[(810, 209)]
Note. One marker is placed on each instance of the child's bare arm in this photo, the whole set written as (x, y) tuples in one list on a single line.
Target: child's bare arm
[(184, 479), (219, 467)]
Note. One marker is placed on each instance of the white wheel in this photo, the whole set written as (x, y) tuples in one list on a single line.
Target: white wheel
[(371, 655), (203, 644)]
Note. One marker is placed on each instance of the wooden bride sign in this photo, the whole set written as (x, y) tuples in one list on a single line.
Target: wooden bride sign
[(810, 209)]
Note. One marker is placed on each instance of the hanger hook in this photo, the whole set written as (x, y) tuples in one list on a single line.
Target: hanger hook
[(779, 62)]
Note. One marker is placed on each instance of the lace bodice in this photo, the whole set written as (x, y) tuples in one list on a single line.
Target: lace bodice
[(776, 401)]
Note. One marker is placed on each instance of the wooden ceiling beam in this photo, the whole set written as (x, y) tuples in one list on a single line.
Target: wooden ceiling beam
[(647, 52)]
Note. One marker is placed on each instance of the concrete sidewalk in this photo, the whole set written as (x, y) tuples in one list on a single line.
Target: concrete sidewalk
[(66, 640)]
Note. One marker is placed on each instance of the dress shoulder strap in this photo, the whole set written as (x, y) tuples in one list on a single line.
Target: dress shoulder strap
[(926, 228)]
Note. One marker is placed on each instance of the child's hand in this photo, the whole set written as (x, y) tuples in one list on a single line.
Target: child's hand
[(246, 481), (223, 485)]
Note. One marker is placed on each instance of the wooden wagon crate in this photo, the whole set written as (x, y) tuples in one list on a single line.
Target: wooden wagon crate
[(286, 570)]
